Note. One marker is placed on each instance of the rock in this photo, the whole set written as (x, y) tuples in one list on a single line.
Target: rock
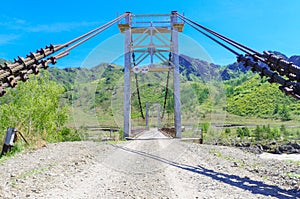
[(296, 145), (266, 147), (235, 164), (286, 149), (255, 149), (238, 145), (277, 151)]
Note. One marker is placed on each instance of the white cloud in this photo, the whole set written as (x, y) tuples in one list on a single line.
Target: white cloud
[(58, 27), (8, 38), (13, 23)]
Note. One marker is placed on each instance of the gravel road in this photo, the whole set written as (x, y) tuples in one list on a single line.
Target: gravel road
[(153, 168)]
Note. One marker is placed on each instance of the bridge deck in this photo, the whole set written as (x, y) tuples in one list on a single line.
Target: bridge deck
[(151, 134)]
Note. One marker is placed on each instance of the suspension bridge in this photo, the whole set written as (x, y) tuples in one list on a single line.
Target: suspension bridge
[(152, 38)]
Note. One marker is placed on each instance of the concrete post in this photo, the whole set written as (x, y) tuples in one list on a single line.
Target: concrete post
[(127, 66), (176, 79)]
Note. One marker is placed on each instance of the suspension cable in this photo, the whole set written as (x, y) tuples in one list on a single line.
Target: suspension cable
[(167, 88), (215, 40), (239, 46), (252, 58), (137, 88), (22, 67), (92, 33), (166, 95)]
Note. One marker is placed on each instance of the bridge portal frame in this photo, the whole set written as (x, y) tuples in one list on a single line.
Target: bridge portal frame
[(149, 37)]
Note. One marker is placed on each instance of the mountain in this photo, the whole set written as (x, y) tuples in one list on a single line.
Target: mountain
[(2, 61), (243, 88), (236, 69), (295, 59), (195, 69)]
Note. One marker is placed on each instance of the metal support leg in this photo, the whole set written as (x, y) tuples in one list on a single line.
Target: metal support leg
[(176, 79), (127, 92)]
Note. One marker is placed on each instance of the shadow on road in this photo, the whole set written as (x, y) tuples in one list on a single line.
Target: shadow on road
[(255, 187)]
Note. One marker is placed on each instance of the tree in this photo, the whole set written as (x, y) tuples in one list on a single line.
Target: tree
[(240, 132), (227, 131), (276, 109), (284, 113), (33, 108), (258, 133)]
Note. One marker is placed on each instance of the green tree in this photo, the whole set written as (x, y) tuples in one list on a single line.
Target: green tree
[(284, 113), (33, 108), (258, 133), (246, 131), (240, 132), (227, 131), (284, 131), (276, 109)]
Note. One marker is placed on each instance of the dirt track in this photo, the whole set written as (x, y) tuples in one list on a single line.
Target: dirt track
[(155, 168)]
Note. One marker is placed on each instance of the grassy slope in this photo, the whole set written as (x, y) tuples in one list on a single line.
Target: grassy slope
[(248, 97), (257, 97)]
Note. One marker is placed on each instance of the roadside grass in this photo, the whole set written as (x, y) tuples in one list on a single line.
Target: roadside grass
[(216, 152), (297, 162), (17, 148), (34, 171), (293, 175)]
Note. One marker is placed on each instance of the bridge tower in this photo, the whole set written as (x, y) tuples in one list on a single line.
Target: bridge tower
[(151, 38)]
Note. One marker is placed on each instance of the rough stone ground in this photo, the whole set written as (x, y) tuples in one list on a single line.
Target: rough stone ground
[(154, 168)]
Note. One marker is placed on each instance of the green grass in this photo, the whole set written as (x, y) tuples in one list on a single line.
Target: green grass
[(293, 175), (34, 171), (17, 148), (297, 162), (218, 154)]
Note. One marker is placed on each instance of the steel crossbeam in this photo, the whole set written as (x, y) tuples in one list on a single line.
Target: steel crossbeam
[(149, 39)]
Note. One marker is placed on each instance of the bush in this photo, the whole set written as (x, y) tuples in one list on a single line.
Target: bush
[(33, 108), (67, 134)]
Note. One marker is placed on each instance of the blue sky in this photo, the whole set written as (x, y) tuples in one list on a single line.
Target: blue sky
[(26, 26)]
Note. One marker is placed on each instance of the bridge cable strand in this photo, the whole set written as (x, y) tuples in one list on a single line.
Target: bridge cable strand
[(288, 87), (93, 33), (167, 88), (215, 40), (273, 63), (22, 67), (241, 47), (266, 57), (237, 45), (289, 69), (137, 88)]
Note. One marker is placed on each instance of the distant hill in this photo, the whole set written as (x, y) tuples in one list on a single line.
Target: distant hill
[(247, 94), (254, 96), (236, 69), (2, 61), (195, 69), (295, 59)]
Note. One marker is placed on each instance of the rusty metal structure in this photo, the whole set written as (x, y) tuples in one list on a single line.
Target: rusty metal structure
[(152, 38)]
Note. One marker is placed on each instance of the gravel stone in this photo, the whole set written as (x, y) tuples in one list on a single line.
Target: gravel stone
[(156, 168)]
